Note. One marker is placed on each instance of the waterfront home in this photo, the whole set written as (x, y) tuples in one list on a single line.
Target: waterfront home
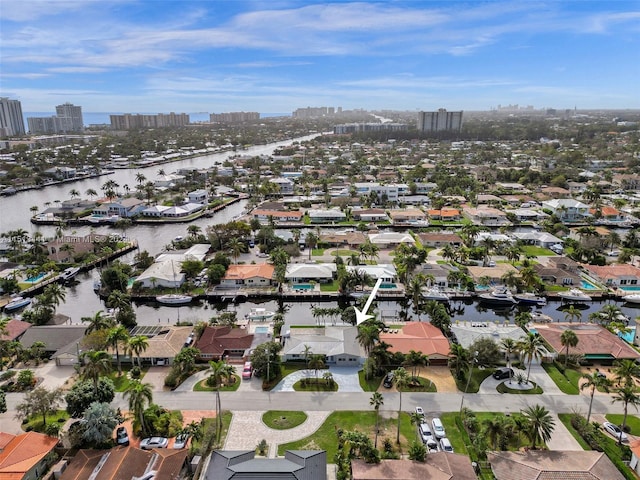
[(165, 273), (24, 456), (390, 191), (224, 342), (439, 272), (278, 216), (176, 211), (242, 464), (391, 239), (436, 465), (14, 329), (61, 173), (552, 464), (538, 238), (387, 272), (558, 271), (326, 216), (446, 214), (491, 274), (285, 185), (164, 343), (420, 337), (595, 343), (407, 216), (440, 239), (168, 181), (198, 196), (310, 272), (609, 214), (615, 275), (486, 216), (338, 344), (568, 209), (466, 333), (257, 275), (342, 239), (369, 215), (529, 215), (124, 208), (76, 245), (56, 339)]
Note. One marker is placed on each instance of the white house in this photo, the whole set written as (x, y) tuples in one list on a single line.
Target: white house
[(567, 209), (338, 344), (306, 272)]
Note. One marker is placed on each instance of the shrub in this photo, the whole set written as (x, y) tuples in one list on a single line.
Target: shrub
[(135, 372), (171, 380), (7, 375), (52, 429), (417, 451), (262, 447)]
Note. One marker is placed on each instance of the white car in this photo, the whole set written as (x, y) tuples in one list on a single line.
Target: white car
[(427, 437), (154, 442), (614, 431), (445, 445), (420, 411), (438, 428)]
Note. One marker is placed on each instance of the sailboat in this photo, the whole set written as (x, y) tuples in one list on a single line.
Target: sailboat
[(174, 298)]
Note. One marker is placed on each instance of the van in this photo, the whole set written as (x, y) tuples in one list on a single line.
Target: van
[(438, 428), (426, 436), (445, 445)]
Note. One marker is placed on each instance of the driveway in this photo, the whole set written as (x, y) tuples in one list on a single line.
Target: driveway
[(53, 376), (538, 375), (155, 376), (346, 378)]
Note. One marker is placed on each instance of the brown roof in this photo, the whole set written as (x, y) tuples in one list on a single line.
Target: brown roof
[(614, 271), (243, 272), (217, 340), (439, 237), (437, 466), (552, 465), (124, 463), (22, 453), (592, 340), (15, 328), (418, 336), (166, 343)]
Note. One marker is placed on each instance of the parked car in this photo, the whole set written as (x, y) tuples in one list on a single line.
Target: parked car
[(445, 445), (122, 437), (420, 411), (426, 436), (181, 440), (614, 430), (502, 373), (153, 442), (438, 428), (247, 371), (388, 380)]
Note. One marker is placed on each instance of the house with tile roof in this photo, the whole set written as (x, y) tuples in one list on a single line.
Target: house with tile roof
[(15, 329), (263, 215), (126, 463), (242, 464), (340, 239), (595, 342), (436, 466), (440, 239), (254, 275), (23, 457), (486, 216), (307, 272), (338, 344), (420, 337), (404, 216), (164, 343), (225, 341), (552, 464), (634, 463), (615, 275)]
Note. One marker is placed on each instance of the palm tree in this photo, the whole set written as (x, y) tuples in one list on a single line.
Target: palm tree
[(98, 322), (568, 339), (139, 395), (532, 347), (95, 363), (509, 346), (494, 428), (136, 345), (368, 336), (312, 242), (306, 353), (401, 380), (626, 370), (116, 335), (572, 313), (90, 192), (594, 380), (220, 371), (236, 247), (376, 401), (458, 358), (541, 424), (316, 362), (627, 396)]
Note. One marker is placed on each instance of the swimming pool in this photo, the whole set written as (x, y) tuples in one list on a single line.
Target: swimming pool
[(388, 285), (630, 288), (302, 286), (588, 286), (35, 279), (260, 329)]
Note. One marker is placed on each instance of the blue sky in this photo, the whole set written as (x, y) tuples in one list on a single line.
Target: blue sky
[(276, 56)]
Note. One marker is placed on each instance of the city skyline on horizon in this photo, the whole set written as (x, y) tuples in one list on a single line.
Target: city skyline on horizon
[(194, 56)]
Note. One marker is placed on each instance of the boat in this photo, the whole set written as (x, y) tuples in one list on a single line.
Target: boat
[(575, 295), (538, 317), (69, 273), (632, 298), (498, 296), (434, 293), (174, 299), (17, 303), (260, 314), (528, 298)]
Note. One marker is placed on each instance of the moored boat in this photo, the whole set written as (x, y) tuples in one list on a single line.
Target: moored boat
[(632, 298), (174, 299), (260, 314), (527, 298), (69, 273), (434, 293), (498, 296), (575, 295), (17, 303)]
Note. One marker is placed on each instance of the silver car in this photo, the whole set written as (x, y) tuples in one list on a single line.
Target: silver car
[(614, 430), (181, 440), (154, 442)]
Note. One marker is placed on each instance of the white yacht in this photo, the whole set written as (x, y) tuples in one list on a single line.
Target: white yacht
[(434, 293), (498, 296), (174, 299), (575, 295), (260, 314), (632, 298), (69, 273)]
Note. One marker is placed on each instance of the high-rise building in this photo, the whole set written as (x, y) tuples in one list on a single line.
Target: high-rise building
[(128, 121), (11, 119), (232, 117), (70, 116), (440, 121)]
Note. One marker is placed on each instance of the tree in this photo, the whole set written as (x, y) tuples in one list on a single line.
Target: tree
[(136, 345), (509, 346), (3, 402), (316, 362), (99, 321), (532, 347), (627, 396), (220, 371), (94, 365), (540, 424), (99, 420), (494, 429), (140, 395), (458, 358), (417, 451), (368, 336), (266, 361), (401, 380), (117, 335), (594, 380), (184, 361), (568, 339), (39, 401), (376, 401), (572, 313), (82, 395), (626, 370), (486, 350)]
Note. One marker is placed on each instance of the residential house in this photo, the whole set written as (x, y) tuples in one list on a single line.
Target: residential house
[(168, 181), (440, 239), (437, 274), (326, 216), (595, 343), (420, 337), (242, 465), (488, 199), (224, 342), (61, 173), (391, 239), (635, 456), (121, 463), (164, 343), (278, 216), (559, 271), (56, 338), (555, 192), (258, 275), (164, 273), (486, 216), (341, 239), (552, 464), (446, 214), (615, 275), (529, 215), (493, 275), (339, 345), (627, 181), (369, 215), (124, 208), (511, 187), (14, 329), (389, 192), (538, 238), (437, 465), (386, 272), (310, 272), (568, 209), (608, 214), (425, 188), (407, 216), (77, 245), (285, 185), (466, 333), (24, 457)]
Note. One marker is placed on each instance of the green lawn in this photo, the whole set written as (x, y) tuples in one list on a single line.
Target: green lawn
[(121, 382), (536, 390), (370, 385), (317, 252), (425, 385), (633, 422), (34, 422), (283, 420), (329, 287), (567, 382), (208, 442), (203, 387), (477, 377), (534, 251), (344, 252), (312, 384), (325, 437)]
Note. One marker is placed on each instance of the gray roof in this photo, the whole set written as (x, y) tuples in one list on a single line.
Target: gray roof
[(54, 336), (327, 341), (242, 464)]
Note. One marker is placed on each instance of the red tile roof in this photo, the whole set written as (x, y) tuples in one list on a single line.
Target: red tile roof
[(217, 340), (419, 336), (23, 452), (243, 272), (15, 328)]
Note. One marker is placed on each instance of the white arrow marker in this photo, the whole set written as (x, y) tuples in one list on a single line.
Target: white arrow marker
[(361, 316)]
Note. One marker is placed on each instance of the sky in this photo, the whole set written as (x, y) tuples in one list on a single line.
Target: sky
[(152, 56)]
